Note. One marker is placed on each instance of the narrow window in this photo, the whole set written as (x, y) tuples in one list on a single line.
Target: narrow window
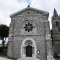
[(57, 23)]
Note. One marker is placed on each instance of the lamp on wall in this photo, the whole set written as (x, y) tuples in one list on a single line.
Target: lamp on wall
[(38, 51)]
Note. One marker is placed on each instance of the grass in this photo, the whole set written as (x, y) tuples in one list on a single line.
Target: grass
[(3, 52)]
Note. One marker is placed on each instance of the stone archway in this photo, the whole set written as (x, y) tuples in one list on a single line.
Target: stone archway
[(28, 48)]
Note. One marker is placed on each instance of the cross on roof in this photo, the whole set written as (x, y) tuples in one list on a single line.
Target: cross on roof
[(28, 5)]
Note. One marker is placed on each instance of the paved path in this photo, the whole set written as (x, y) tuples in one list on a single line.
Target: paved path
[(4, 58), (28, 58)]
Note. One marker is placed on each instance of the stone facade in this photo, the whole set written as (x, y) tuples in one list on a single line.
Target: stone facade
[(32, 26)]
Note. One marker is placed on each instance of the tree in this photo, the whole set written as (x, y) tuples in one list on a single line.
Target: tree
[(4, 32), (59, 29)]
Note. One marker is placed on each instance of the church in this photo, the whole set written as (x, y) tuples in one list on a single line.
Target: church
[(30, 35)]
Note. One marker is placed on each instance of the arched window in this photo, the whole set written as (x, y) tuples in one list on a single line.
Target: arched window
[(57, 23)]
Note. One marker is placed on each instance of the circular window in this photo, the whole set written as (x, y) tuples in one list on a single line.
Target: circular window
[(28, 27)]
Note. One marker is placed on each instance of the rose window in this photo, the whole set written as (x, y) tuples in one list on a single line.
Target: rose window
[(28, 27)]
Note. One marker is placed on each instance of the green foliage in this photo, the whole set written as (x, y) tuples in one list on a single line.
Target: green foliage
[(3, 52), (59, 29), (4, 32)]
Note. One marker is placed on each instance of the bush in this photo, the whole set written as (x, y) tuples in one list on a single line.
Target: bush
[(3, 51)]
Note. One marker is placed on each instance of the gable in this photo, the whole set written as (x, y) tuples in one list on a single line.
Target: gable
[(30, 10)]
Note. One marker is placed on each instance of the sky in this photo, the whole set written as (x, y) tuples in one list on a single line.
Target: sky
[(8, 7)]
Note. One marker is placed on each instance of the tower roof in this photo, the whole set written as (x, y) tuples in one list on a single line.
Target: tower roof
[(55, 14)]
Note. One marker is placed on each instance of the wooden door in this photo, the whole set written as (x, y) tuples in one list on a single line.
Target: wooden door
[(28, 51)]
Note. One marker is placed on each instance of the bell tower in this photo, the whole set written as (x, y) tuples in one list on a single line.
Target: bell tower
[(55, 20), (56, 34)]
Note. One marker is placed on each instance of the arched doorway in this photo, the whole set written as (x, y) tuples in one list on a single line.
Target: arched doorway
[(28, 48)]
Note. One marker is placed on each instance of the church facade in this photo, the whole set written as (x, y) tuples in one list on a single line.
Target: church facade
[(29, 35)]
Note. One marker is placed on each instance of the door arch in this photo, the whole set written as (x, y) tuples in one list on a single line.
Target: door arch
[(28, 43)]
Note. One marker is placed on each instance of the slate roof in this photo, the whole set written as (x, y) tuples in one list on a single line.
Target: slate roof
[(30, 8)]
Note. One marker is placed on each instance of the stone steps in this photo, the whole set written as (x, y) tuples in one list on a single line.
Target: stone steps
[(28, 58)]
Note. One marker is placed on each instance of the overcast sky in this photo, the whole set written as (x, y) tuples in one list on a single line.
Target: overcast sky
[(8, 7)]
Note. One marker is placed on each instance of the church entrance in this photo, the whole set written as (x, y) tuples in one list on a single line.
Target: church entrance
[(28, 48), (28, 51)]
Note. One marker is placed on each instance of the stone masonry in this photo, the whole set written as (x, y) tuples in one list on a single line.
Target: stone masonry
[(39, 34)]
